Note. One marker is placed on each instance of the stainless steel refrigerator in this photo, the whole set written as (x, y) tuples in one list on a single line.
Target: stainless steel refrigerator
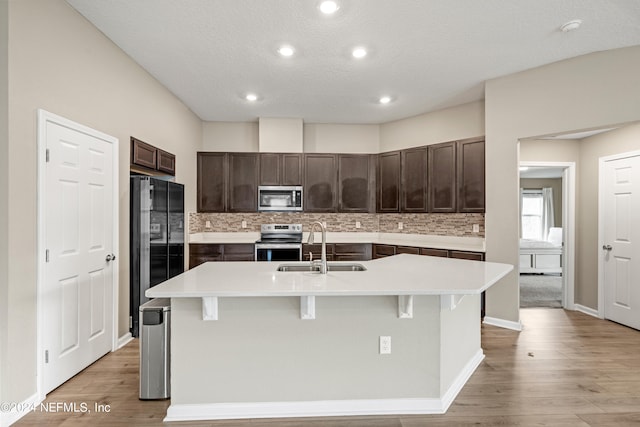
[(156, 238)]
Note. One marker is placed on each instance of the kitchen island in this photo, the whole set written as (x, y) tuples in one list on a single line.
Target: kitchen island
[(249, 341)]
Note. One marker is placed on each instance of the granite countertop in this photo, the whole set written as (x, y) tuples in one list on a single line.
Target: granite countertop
[(399, 275), (473, 244)]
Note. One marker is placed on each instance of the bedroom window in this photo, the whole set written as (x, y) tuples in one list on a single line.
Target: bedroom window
[(532, 210)]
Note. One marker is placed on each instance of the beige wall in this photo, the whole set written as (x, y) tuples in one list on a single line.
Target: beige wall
[(4, 191), (336, 138), (618, 141), (317, 138), (545, 150), (230, 136), (61, 63), (590, 91), (463, 121)]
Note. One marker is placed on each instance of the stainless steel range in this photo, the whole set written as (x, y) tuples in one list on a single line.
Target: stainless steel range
[(279, 242)]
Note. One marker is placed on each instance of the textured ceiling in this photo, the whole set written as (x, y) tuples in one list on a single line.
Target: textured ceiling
[(426, 54)]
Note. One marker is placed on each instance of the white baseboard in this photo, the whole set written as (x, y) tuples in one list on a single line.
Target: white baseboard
[(19, 410), (461, 380), (124, 340), (501, 323), (325, 408), (586, 310)]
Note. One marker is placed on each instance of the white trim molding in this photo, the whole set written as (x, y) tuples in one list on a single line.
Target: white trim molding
[(586, 310), (501, 323), (326, 408), (19, 410), (124, 340)]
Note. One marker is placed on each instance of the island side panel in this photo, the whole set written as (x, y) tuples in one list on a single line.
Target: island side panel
[(460, 340), (261, 351)]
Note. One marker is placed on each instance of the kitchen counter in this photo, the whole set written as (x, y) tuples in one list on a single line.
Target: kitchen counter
[(473, 244), (398, 275), (251, 342)]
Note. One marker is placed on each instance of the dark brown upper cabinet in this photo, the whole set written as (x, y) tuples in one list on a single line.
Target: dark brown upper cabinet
[(388, 182), (442, 177), (143, 154), (212, 182), (280, 169), (320, 182), (413, 194), (243, 182), (148, 159), (355, 177), (471, 175), (166, 162)]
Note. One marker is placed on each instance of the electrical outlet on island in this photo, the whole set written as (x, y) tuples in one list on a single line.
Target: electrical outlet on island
[(400, 226)]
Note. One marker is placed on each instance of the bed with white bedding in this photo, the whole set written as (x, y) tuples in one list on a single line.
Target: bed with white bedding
[(542, 256)]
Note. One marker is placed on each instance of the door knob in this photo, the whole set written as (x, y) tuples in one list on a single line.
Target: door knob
[(607, 247), (110, 257)]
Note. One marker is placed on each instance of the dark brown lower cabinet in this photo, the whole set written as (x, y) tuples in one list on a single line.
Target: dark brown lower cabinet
[(434, 252), (204, 252), (407, 250), (381, 251), (352, 251), (473, 256), (316, 251)]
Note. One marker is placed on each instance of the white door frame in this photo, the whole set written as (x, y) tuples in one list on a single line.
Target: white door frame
[(601, 163), (568, 227), (43, 118)]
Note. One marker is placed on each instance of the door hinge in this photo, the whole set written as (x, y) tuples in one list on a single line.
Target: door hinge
[(46, 356), (47, 155), (46, 256)]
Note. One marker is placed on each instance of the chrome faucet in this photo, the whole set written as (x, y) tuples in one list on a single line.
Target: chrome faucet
[(323, 257)]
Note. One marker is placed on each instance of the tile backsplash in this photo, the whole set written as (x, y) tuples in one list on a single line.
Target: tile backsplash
[(450, 224)]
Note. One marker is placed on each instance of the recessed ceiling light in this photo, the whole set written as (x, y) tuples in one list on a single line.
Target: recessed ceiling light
[(251, 97), (286, 51), (571, 25), (359, 52), (329, 7), (385, 100)]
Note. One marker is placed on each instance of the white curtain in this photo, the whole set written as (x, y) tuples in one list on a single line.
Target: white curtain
[(547, 211)]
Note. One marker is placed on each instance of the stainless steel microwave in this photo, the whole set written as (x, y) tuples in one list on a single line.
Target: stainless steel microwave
[(280, 198)]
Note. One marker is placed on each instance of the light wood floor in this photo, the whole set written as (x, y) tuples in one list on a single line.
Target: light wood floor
[(563, 369)]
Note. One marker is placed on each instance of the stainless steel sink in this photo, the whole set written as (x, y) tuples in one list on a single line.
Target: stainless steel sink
[(316, 268)]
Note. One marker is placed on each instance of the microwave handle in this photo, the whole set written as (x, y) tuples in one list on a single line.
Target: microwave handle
[(294, 197)]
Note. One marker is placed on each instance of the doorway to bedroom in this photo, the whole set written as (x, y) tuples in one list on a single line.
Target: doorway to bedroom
[(546, 211)]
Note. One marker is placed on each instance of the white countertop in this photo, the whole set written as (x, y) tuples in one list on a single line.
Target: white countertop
[(474, 244), (397, 275)]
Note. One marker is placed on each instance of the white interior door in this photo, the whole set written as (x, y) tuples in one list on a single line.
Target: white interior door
[(77, 287), (620, 234)]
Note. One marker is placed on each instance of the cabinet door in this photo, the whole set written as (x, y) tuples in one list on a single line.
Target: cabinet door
[(352, 251), (243, 182), (320, 183), (414, 180), (353, 183), (239, 252), (408, 250), (269, 169), (166, 162), (316, 251), (212, 173), (143, 154), (471, 176), (388, 182), (474, 256), (291, 169), (443, 253), (381, 251), (442, 177)]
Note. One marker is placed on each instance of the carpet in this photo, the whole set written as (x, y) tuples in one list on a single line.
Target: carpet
[(540, 290)]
